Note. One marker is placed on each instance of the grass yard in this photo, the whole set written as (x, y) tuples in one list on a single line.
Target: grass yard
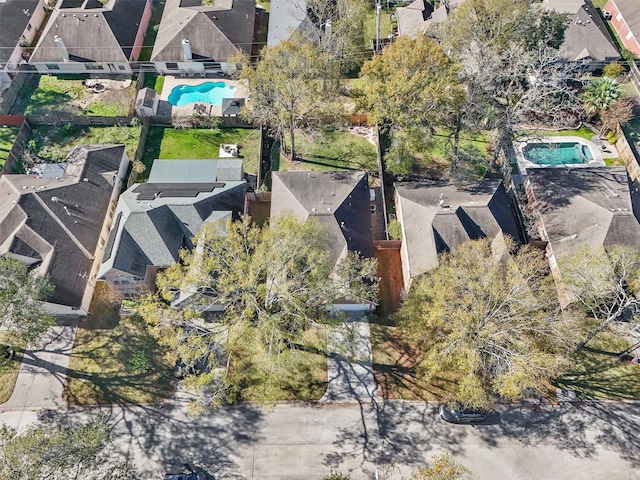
[(9, 373), (583, 132), (7, 137), (306, 378), (53, 143), (48, 94), (169, 143), (101, 370), (597, 373), (337, 150)]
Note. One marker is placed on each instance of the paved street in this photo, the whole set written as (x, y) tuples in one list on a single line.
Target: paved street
[(354, 432)]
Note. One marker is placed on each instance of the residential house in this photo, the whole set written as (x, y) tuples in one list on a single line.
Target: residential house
[(197, 38), (337, 200), (596, 207), (625, 18), (92, 36), (20, 21), (56, 220), (156, 219), (437, 216), (289, 17), (586, 39), (420, 17)]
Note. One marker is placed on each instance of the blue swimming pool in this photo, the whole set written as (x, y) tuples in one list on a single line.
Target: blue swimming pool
[(208, 92), (563, 153)]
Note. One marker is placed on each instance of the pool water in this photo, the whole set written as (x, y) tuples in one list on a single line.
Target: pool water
[(208, 92), (565, 153)]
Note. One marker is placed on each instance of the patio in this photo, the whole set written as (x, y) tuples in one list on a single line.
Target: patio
[(170, 82)]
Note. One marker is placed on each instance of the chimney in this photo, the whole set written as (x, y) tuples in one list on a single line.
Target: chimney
[(327, 31), (186, 46), (61, 48)]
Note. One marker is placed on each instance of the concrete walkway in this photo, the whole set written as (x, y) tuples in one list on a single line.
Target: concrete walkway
[(349, 368), (42, 373)]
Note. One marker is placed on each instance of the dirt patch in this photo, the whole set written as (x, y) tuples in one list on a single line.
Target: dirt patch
[(390, 273)]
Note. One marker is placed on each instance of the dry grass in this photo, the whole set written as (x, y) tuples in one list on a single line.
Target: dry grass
[(100, 371)]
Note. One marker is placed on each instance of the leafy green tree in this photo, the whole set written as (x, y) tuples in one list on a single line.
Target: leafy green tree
[(294, 85), (600, 94), (604, 284), (443, 467), (489, 316), (47, 451), (273, 283), (412, 86), (22, 314)]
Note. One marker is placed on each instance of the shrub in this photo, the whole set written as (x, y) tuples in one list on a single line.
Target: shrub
[(613, 70), (395, 230), (612, 137), (139, 362)]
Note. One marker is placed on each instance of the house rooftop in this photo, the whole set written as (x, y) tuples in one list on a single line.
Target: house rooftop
[(586, 36), (91, 31), (215, 32), (586, 206), (438, 216), (53, 223), (287, 17), (338, 200), (631, 12), (14, 17)]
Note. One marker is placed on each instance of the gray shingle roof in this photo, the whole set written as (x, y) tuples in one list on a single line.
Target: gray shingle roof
[(103, 34), (465, 213), (585, 206), (12, 24), (586, 36), (287, 17), (338, 200), (215, 32), (58, 221), (152, 232)]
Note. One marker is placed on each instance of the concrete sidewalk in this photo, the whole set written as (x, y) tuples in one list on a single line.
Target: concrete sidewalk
[(349, 368), (42, 373)]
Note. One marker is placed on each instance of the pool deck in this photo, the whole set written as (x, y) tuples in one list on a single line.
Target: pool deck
[(166, 109), (599, 153)]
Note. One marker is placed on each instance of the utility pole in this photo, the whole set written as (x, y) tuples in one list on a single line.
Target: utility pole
[(378, 10)]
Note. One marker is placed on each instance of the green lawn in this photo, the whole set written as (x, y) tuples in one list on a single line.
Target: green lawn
[(597, 373), (53, 143), (168, 143), (9, 373), (583, 132), (7, 137), (100, 369), (337, 150)]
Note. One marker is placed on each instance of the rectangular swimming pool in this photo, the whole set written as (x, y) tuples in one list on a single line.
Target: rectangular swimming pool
[(562, 153)]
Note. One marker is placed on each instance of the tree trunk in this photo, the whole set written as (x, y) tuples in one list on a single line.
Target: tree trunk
[(292, 128), (626, 352), (456, 144), (601, 327)]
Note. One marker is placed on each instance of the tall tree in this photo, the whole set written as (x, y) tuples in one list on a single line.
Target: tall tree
[(511, 66), (412, 86), (274, 284), (605, 284), (490, 319), (47, 451), (294, 85), (22, 314)]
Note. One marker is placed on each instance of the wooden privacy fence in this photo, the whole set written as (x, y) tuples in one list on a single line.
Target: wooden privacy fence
[(629, 153), (19, 144)]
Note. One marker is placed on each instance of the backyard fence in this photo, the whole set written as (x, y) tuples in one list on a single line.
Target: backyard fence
[(58, 119), (226, 122), (629, 153), (13, 159), (634, 75), (142, 141), (9, 96)]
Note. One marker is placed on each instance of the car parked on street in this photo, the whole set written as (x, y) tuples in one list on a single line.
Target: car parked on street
[(458, 414)]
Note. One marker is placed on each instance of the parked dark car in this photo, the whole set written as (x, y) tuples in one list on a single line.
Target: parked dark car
[(458, 414), (193, 474)]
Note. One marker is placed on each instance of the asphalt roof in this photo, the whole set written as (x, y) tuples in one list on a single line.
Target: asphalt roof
[(338, 200), (215, 32), (13, 22), (151, 231), (104, 34), (437, 216), (586, 206), (58, 221), (586, 36), (287, 17)]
